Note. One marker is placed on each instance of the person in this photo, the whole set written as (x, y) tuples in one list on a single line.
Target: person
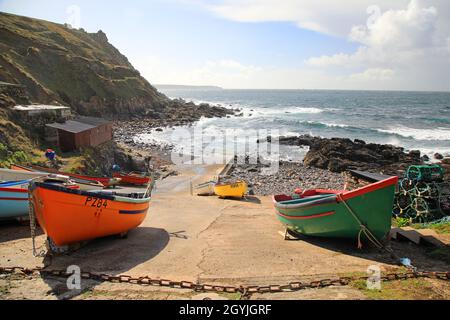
[(51, 156)]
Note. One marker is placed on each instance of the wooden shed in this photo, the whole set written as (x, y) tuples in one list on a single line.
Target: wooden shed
[(82, 132)]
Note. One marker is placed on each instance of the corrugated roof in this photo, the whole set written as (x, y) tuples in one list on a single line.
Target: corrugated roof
[(71, 126), (39, 107), (79, 124)]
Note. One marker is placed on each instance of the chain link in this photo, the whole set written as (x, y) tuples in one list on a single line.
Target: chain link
[(244, 290)]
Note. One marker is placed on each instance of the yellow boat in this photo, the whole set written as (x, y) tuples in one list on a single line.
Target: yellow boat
[(237, 189)]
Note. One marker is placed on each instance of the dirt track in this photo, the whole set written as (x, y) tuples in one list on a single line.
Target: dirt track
[(202, 239)]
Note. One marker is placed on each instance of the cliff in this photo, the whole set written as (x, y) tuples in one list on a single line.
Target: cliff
[(58, 64)]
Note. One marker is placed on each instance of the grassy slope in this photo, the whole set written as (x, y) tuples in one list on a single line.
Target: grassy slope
[(64, 66), (70, 66)]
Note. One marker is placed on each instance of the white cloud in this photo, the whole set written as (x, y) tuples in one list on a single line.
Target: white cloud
[(408, 42), (404, 47), (373, 74), (226, 72), (229, 73), (397, 36), (400, 29), (326, 16), (339, 59)]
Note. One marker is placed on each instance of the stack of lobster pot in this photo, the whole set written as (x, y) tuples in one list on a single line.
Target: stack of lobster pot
[(423, 195)]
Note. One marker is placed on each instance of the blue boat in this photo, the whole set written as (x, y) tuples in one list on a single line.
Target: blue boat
[(14, 199)]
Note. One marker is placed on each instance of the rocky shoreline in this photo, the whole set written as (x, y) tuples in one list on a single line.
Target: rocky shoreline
[(156, 156), (178, 114), (290, 176), (323, 167)]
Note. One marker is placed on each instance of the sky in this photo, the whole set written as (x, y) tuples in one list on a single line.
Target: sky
[(270, 44)]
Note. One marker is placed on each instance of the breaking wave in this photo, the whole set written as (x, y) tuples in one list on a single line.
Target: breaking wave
[(441, 134)]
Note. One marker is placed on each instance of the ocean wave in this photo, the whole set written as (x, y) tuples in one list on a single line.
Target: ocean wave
[(327, 124), (293, 110), (440, 133)]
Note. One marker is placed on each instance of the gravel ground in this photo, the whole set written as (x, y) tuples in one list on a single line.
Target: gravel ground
[(289, 177)]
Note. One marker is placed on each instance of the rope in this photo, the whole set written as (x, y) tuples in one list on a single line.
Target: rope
[(32, 215), (363, 228), (373, 239)]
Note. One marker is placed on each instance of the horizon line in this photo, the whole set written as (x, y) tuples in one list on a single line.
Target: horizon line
[(303, 89)]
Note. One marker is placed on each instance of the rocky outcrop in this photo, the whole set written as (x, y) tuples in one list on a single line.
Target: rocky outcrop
[(338, 155)]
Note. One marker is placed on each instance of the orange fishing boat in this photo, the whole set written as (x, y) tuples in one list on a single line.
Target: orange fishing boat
[(70, 216), (135, 178)]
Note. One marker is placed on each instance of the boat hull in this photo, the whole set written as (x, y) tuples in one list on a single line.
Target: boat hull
[(70, 216), (133, 179), (205, 189), (235, 190), (328, 215), (13, 203)]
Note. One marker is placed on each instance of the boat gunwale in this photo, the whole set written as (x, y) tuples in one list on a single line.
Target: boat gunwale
[(307, 204), (347, 195), (225, 184), (14, 190), (105, 181), (313, 216), (79, 192)]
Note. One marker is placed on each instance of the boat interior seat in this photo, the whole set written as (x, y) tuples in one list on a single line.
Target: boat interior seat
[(308, 199)]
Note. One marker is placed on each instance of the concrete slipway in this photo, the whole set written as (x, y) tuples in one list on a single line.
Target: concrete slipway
[(201, 239)]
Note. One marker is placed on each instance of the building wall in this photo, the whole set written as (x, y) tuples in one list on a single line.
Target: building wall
[(66, 141), (82, 139), (89, 138), (101, 134)]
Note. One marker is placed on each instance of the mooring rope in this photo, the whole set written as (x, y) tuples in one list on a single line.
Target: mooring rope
[(370, 236)]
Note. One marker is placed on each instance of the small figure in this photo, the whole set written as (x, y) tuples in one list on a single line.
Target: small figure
[(51, 156)]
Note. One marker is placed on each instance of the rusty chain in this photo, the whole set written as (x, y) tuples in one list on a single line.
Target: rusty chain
[(244, 290)]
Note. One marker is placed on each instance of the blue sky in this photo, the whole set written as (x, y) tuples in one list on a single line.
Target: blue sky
[(262, 44)]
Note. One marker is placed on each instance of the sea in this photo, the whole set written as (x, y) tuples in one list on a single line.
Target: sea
[(412, 120)]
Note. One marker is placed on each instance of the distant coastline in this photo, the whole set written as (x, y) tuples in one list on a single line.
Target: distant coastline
[(185, 87)]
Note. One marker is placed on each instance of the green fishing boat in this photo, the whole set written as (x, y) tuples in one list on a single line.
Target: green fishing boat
[(364, 213)]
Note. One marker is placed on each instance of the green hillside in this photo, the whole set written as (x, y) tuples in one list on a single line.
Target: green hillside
[(72, 67)]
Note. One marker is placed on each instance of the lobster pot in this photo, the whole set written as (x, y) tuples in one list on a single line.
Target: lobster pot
[(425, 173), (423, 195)]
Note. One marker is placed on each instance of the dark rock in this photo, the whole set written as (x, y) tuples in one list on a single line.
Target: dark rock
[(338, 154), (438, 156), (414, 154)]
